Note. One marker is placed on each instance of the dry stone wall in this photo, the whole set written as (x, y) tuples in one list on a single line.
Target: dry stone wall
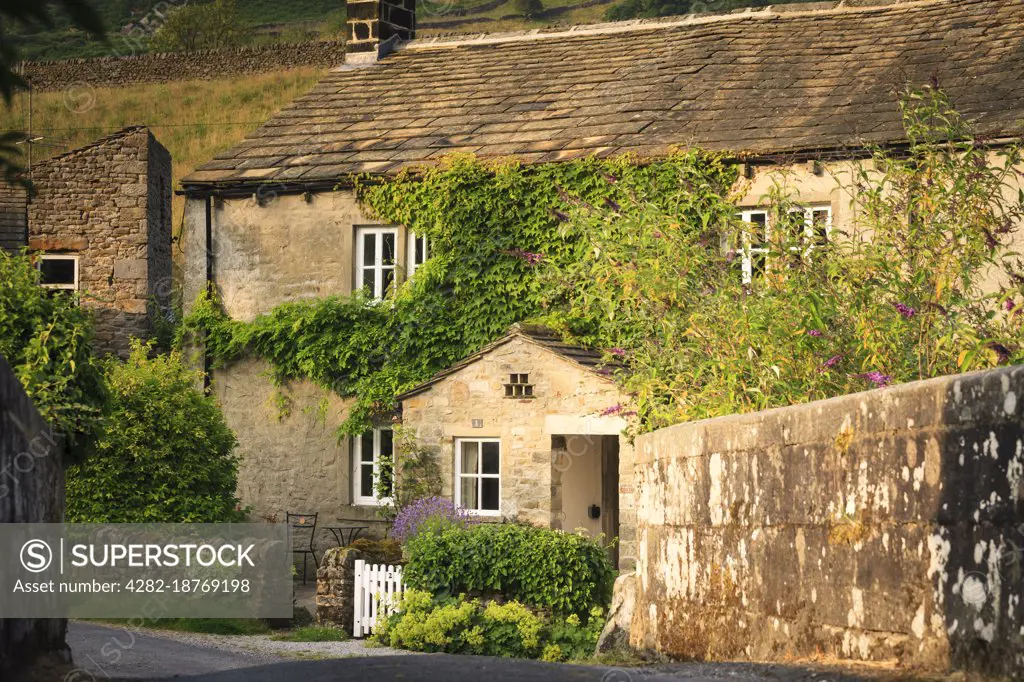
[(118, 71), (877, 526), (31, 491)]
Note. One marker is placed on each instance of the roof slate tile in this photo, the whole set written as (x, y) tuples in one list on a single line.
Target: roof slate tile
[(765, 81)]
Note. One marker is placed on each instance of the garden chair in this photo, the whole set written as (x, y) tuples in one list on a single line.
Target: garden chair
[(302, 528)]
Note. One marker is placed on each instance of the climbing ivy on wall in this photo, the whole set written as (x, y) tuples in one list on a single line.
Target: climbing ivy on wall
[(492, 229)]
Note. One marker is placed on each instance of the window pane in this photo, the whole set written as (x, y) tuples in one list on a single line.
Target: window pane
[(387, 439), (369, 280), (421, 251), (366, 480), (470, 460), (387, 481), (758, 228), (366, 447), (57, 271), (490, 458), (388, 250), (820, 221), (489, 494), (369, 248), (468, 493), (389, 278)]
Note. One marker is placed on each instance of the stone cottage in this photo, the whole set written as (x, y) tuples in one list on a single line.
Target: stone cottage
[(99, 222), (806, 88)]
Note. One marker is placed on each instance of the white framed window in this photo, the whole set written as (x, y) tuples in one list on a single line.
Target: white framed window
[(754, 243), (418, 252), (816, 231), (375, 259), (58, 271), (369, 450), (478, 475)]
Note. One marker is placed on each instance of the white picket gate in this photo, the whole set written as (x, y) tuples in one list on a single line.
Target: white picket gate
[(378, 590)]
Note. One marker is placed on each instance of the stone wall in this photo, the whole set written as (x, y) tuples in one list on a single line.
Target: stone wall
[(31, 491), (108, 203), (878, 526), (335, 588), (161, 68)]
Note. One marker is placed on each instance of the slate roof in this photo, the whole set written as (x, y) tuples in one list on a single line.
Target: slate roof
[(544, 337), (774, 80)]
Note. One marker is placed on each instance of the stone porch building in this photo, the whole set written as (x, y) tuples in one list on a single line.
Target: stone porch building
[(99, 223), (530, 428), (805, 88)]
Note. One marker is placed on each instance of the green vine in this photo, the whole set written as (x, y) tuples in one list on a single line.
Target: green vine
[(490, 227)]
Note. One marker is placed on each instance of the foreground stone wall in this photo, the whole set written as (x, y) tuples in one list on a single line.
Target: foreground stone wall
[(884, 525), (117, 71), (31, 491)]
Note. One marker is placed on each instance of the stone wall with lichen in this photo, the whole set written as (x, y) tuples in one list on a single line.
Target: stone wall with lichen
[(880, 526)]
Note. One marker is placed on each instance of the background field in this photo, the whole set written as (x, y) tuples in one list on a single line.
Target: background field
[(193, 119), (270, 21)]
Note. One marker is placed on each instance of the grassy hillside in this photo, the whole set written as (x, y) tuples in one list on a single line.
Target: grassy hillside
[(270, 21), (193, 119)]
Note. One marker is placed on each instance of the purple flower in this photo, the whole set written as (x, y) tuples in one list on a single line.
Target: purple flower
[(423, 514), (617, 351), (831, 362), (904, 310), (612, 204), (561, 215), (619, 410), (877, 378), (657, 234), (815, 332), (730, 255), (1008, 305)]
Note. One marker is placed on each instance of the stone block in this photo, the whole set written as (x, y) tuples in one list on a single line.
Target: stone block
[(135, 268)]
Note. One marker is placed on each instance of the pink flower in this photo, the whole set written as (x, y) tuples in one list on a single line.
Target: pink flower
[(877, 378), (815, 332), (617, 351), (830, 363), (904, 310)]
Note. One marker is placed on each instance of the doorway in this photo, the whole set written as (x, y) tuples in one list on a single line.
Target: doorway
[(585, 485)]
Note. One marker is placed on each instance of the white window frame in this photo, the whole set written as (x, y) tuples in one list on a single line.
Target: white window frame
[(59, 256), (379, 267), (357, 470), (746, 252), (459, 475), (411, 251)]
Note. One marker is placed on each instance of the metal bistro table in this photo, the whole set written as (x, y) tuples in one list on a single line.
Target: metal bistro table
[(348, 533)]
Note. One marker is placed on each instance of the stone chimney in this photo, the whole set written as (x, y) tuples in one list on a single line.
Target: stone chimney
[(376, 27)]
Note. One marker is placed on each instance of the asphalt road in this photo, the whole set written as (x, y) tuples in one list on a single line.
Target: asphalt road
[(109, 653), (102, 653)]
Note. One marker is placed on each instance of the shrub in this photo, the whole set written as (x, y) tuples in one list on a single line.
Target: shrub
[(427, 513), (548, 569), (46, 338), (379, 551), (528, 8), (458, 625), (657, 290), (164, 453)]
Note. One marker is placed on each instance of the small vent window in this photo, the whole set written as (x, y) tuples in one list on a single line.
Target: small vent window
[(518, 386)]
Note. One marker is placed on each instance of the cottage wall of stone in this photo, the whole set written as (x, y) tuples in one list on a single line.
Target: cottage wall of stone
[(885, 525), (109, 205), (569, 402)]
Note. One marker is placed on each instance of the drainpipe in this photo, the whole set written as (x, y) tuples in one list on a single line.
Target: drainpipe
[(207, 365)]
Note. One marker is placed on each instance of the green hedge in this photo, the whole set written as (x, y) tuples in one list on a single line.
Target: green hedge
[(548, 569)]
